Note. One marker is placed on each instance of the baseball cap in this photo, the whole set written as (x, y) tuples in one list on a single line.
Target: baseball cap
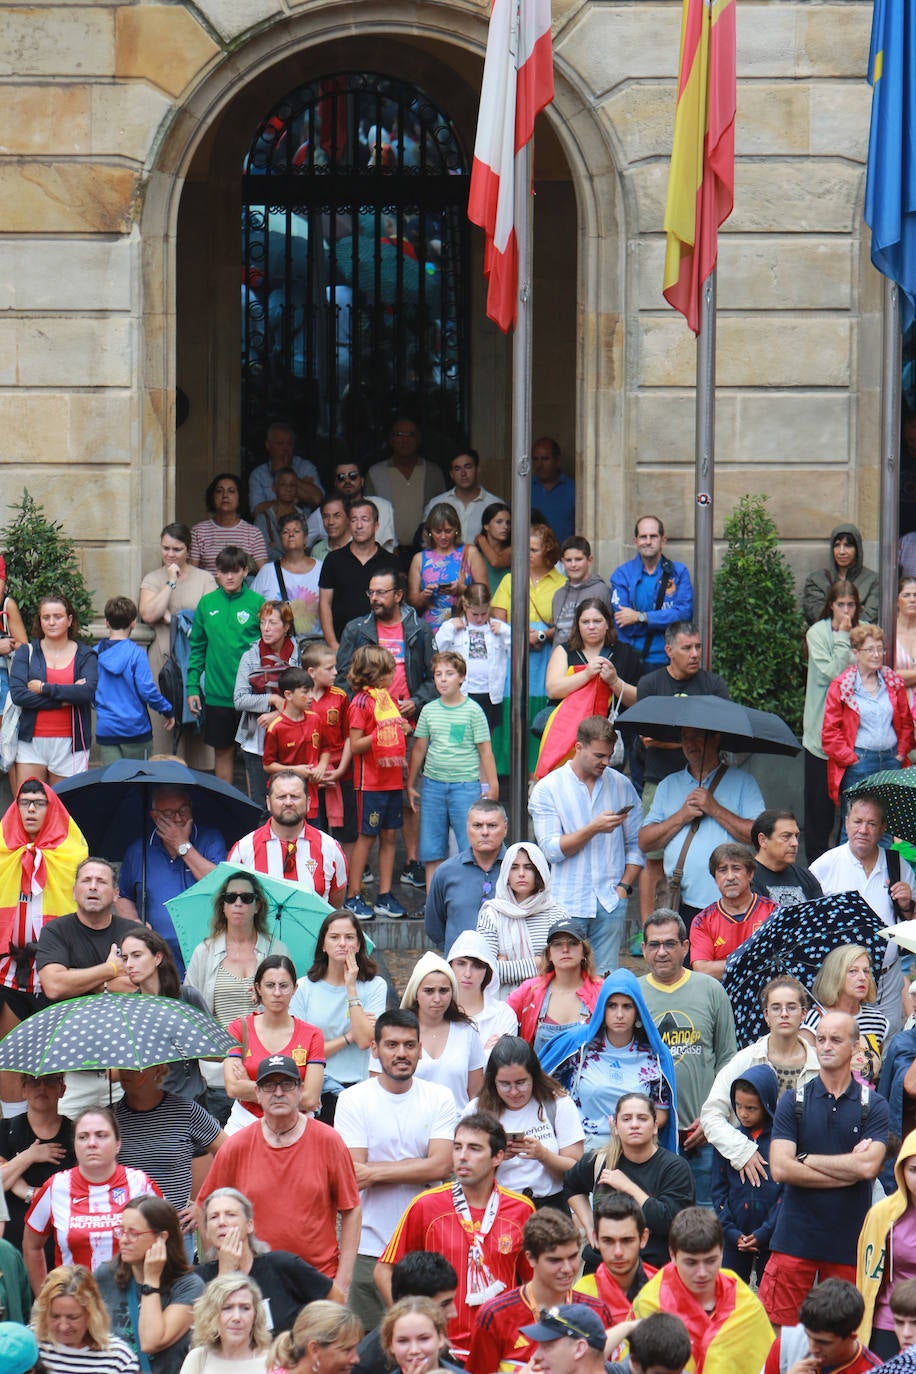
[(568, 926), (18, 1348), (571, 1319), (277, 1064)]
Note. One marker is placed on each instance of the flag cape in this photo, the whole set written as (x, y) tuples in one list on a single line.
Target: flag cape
[(737, 1337), (47, 865), (890, 187), (558, 742), (701, 183), (517, 84)]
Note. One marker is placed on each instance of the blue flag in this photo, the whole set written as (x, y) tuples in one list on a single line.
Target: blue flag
[(890, 188)]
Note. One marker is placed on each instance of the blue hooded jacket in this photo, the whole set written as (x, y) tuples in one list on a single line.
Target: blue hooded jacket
[(741, 1208), (125, 685), (568, 1043)]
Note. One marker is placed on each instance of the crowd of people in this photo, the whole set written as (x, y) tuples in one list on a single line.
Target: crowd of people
[(528, 1157)]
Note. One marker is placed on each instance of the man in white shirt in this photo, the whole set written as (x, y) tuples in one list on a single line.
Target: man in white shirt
[(399, 1132), (468, 497), (861, 865), (586, 819)]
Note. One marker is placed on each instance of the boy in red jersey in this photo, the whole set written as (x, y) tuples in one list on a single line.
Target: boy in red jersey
[(378, 742), (336, 809), (292, 741), (477, 1225)]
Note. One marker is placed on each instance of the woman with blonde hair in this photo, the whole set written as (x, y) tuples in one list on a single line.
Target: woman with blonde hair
[(845, 982), (323, 1341), (230, 1328), (413, 1336), (451, 1052), (72, 1328)]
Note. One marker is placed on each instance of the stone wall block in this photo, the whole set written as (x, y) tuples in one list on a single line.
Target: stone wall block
[(772, 118), (96, 506), (840, 118), (794, 428), (45, 120), (641, 114), (57, 42), (833, 40), (798, 507), (772, 273), (80, 197), (232, 17), (101, 427), (61, 352), (126, 118), (644, 40), (53, 274), (163, 44), (33, 429), (754, 351)]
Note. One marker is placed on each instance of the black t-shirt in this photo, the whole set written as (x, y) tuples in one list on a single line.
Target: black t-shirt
[(661, 762), (67, 941), (286, 1281), (792, 886), (666, 1177), (348, 578), (17, 1135)]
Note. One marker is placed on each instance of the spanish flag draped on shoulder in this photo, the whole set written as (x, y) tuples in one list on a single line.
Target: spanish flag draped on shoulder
[(517, 84), (890, 188), (701, 184)]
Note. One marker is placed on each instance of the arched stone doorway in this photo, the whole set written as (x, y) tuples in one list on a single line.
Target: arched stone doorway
[(190, 225)]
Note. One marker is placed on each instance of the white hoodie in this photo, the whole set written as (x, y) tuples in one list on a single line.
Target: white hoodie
[(496, 1019)]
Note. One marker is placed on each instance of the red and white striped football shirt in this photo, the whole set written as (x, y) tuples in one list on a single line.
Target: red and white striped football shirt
[(83, 1216), (313, 857)]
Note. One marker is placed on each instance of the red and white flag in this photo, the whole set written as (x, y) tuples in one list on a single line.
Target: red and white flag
[(517, 84)]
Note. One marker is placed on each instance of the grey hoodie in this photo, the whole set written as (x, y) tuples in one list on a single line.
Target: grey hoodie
[(819, 583)]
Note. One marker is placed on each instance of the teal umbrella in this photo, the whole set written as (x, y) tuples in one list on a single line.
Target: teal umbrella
[(294, 913)]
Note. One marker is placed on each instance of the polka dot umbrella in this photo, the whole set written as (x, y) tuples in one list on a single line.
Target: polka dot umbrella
[(896, 790), (796, 940), (112, 1030)]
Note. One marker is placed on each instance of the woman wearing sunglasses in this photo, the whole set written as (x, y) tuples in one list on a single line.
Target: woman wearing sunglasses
[(223, 966)]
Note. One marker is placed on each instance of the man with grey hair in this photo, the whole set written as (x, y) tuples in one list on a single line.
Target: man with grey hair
[(463, 882), (280, 443)]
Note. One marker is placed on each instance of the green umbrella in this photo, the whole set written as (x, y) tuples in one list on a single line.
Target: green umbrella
[(895, 788), (294, 913)]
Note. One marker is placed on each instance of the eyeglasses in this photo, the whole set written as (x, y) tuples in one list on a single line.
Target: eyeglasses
[(286, 1086), (554, 1317), (32, 803), (177, 813), (662, 944), (125, 1233), (246, 898), (348, 476), (404, 434)]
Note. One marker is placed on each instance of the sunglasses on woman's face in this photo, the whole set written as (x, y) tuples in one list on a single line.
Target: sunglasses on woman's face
[(246, 898)]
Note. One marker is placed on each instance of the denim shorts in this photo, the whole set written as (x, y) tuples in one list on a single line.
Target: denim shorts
[(444, 804)]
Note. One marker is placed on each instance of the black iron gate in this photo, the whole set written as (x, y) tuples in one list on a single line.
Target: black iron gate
[(354, 281)]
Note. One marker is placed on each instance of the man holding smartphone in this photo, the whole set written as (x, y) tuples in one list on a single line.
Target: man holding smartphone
[(586, 819)]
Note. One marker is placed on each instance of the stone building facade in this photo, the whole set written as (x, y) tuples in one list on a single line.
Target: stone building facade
[(123, 132)]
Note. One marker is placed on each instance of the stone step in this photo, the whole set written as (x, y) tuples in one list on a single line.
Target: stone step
[(406, 933)]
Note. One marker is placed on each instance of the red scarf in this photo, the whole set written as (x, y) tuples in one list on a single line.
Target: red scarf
[(388, 746), (611, 1293), (272, 665), (702, 1328)]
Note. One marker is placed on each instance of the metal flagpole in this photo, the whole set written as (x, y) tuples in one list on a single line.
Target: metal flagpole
[(890, 462), (705, 465), (521, 502)]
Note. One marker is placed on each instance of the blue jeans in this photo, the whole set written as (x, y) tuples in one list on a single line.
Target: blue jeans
[(444, 804), (869, 761), (700, 1161), (604, 933)]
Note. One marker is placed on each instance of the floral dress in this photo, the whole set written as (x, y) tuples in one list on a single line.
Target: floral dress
[(436, 568)]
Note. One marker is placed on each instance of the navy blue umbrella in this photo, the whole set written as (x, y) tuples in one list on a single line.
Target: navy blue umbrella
[(796, 940), (111, 805)]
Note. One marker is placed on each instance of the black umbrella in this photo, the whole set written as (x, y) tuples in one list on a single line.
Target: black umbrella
[(743, 728), (113, 1031), (111, 805), (796, 940)]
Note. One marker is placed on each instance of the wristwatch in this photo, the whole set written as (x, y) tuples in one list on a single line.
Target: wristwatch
[(542, 637), (800, 1159), (183, 848), (627, 887), (642, 617), (145, 1289)]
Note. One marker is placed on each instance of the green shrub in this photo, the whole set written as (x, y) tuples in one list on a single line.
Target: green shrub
[(41, 559), (758, 630)]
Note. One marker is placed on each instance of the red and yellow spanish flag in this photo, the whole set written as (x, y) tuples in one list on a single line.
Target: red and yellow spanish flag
[(558, 742), (701, 184)]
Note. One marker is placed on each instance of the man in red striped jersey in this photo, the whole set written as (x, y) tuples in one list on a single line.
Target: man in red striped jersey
[(474, 1223), (288, 847)]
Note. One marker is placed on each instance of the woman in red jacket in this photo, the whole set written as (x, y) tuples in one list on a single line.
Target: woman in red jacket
[(868, 723), (564, 994)]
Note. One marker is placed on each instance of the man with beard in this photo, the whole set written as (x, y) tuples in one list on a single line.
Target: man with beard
[(399, 1131), (288, 847)]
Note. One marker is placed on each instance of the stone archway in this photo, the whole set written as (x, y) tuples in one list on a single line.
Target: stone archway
[(212, 124)]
